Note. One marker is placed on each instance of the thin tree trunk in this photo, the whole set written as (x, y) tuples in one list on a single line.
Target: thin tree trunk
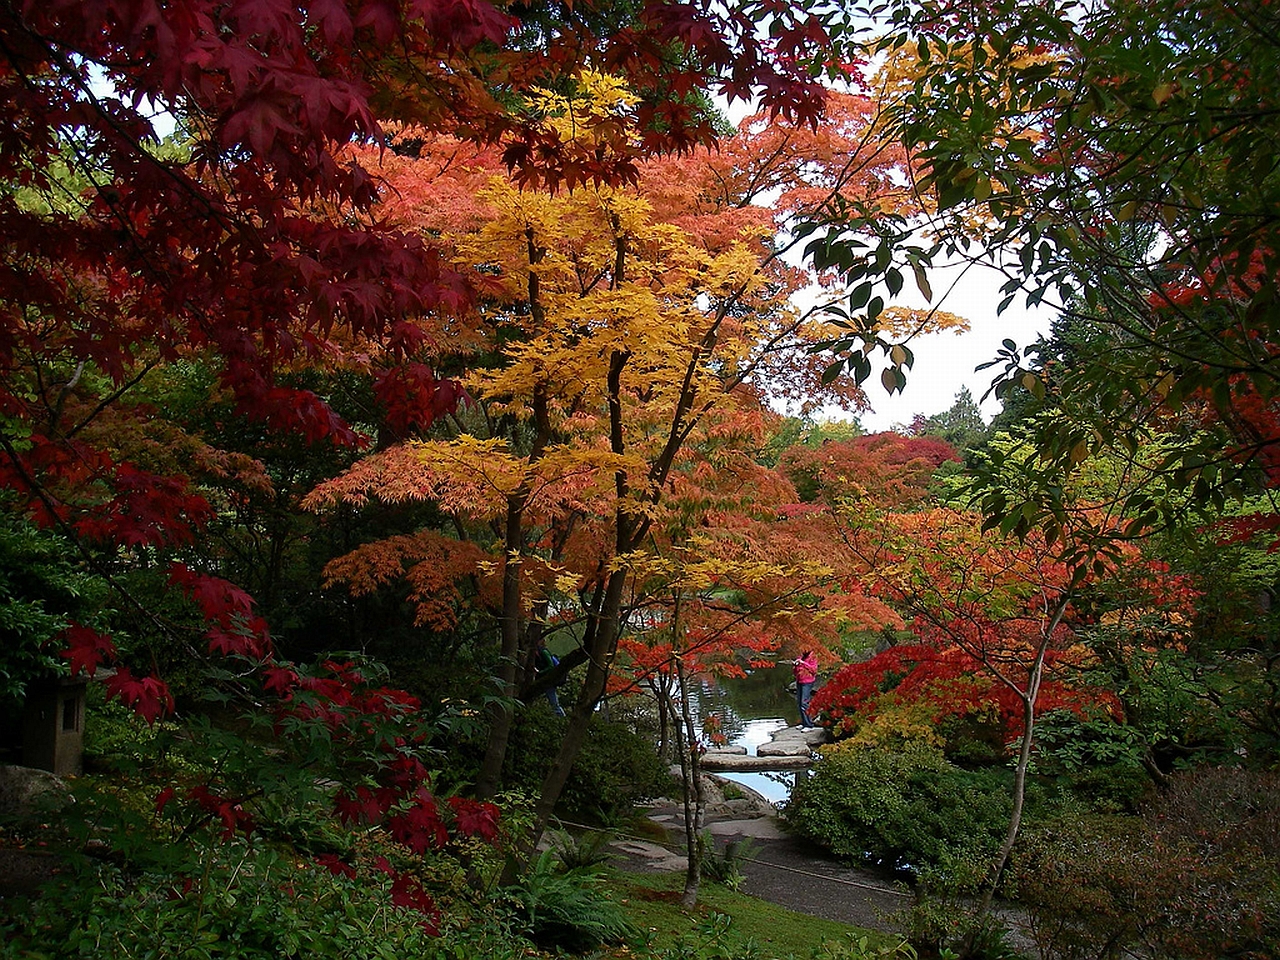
[(693, 794), (1029, 698), (601, 648), (502, 709)]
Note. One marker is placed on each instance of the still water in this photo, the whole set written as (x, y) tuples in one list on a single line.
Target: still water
[(751, 708)]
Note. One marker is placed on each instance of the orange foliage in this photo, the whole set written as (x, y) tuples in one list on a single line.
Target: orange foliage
[(992, 612), (433, 565), (887, 469)]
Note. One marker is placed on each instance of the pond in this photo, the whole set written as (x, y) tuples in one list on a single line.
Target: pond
[(751, 709)]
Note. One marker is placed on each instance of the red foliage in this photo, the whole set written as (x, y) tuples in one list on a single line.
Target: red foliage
[(234, 628), (263, 246), (149, 696), (87, 649), (475, 818), (413, 398), (260, 246), (953, 682), (231, 812)]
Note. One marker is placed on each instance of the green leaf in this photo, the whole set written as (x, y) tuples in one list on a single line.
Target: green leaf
[(922, 281)]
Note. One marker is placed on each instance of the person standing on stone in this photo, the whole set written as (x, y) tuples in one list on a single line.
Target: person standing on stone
[(806, 674)]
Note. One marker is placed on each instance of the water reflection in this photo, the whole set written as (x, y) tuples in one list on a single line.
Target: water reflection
[(751, 708)]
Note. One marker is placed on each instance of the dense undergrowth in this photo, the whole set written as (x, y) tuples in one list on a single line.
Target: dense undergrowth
[(1188, 871), (132, 881)]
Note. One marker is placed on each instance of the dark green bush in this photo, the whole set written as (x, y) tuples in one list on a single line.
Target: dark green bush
[(1197, 876), (905, 809), (616, 769), (1098, 761), (568, 909), (245, 902)]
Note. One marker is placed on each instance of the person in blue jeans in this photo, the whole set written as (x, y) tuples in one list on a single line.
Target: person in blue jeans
[(806, 674)]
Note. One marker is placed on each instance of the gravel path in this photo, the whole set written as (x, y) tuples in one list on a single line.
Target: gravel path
[(777, 867), (785, 869)]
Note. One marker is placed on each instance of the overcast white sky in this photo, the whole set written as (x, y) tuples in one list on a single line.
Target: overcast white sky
[(944, 363)]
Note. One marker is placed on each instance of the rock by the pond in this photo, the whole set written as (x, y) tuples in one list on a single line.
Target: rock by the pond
[(789, 749), (733, 750), (722, 798), (741, 764), (793, 742)]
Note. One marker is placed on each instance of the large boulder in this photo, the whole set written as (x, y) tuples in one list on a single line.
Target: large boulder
[(28, 794)]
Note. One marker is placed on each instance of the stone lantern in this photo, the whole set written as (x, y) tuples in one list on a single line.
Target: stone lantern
[(53, 725)]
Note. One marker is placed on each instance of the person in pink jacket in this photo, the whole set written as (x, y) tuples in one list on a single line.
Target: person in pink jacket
[(806, 673)]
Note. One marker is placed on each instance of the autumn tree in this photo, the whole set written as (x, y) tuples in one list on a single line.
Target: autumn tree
[(737, 574), (885, 469), (630, 323), (254, 240), (1005, 622), (256, 246)]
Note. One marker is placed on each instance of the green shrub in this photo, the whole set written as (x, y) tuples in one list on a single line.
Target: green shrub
[(246, 903), (943, 926), (905, 809), (616, 768), (567, 909), (585, 850), (1098, 761), (726, 867), (1196, 877)]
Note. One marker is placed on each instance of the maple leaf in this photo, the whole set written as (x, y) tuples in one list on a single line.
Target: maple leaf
[(336, 866), (279, 680), (231, 812), (149, 696), (475, 818), (235, 628), (86, 648), (407, 891), (362, 806), (413, 398), (163, 798)]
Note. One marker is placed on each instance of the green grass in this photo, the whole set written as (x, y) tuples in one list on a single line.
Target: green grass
[(652, 902)]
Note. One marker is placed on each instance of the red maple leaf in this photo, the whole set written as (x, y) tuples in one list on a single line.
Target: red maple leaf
[(407, 891), (475, 818), (335, 866), (420, 828), (279, 680), (163, 798), (86, 648), (362, 806), (149, 696)]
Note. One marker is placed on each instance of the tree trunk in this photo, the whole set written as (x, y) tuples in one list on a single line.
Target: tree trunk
[(502, 709), (601, 648), (1029, 698), (693, 794)]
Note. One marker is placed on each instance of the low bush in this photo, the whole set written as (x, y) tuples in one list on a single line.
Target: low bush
[(247, 901), (906, 809), (949, 926), (1197, 876), (726, 866), (1096, 760), (568, 909), (616, 768)]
